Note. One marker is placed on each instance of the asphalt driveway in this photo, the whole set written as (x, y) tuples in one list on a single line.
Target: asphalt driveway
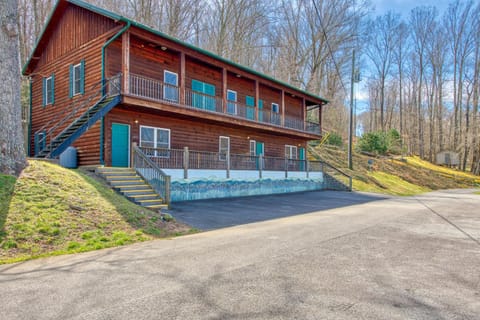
[(221, 213), (398, 258)]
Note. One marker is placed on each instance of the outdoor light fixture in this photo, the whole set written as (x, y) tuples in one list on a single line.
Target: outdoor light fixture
[(163, 48)]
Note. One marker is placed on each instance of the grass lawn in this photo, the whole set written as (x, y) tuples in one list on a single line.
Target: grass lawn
[(396, 176), (50, 210)]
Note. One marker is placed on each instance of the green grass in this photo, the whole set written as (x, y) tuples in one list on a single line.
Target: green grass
[(50, 210), (396, 176)]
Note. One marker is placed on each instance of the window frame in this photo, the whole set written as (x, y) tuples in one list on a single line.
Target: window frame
[(155, 142), (275, 106), (227, 152), (76, 71), (49, 90), (172, 87), (289, 153), (232, 103)]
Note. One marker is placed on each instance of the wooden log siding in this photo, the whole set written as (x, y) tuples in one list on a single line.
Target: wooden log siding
[(76, 28), (198, 70), (243, 86), (195, 135), (91, 53), (151, 62)]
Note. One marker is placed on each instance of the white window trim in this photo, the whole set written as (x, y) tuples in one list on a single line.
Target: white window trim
[(292, 150), (155, 138), (253, 152), (234, 102), (220, 138), (278, 107), (79, 66), (48, 97), (165, 72)]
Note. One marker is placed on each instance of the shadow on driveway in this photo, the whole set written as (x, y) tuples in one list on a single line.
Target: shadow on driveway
[(220, 213)]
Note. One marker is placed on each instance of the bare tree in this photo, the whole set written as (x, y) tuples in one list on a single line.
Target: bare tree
[(12, 153), (380, 36)]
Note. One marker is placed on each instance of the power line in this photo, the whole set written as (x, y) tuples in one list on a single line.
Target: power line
[(328, 46)]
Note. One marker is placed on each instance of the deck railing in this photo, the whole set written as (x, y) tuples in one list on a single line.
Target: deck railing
[(151, 172), (186, 160), (156, 90), (93, 95)]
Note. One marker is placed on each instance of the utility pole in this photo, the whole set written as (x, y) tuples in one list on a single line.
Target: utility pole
[(350, 128)]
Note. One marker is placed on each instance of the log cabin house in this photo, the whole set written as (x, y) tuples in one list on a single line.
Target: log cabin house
[(103, 83)]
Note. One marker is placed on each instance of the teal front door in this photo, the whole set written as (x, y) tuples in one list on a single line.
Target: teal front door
[(120, 145), (301, 156), (260, 150)]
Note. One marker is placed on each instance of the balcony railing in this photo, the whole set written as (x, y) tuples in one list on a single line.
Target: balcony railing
[(201, 160), (152, 89)]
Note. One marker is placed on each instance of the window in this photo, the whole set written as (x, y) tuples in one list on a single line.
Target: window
[(231, 102), (223, 148), (40, 141), (275, 114), (49, 90), (275, 108), (77, 78), (253, 145), (291, 152), (170, 88), (205, 98), (250, 102), (155, 138)]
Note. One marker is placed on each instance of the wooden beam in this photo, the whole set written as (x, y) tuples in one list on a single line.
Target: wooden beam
[(182, 77), (126, 61), (257, 98), (224, 88), (216, 118), (283, 108), (304, 113)]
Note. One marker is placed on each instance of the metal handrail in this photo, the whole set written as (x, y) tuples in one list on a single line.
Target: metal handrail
[(81, 104), (152, 174), (156, 90)]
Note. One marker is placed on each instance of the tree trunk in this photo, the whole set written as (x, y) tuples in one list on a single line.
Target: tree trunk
[(12, 153)]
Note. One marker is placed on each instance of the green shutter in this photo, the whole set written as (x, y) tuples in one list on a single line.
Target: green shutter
[(82, 76), (197, 85), (260, 112), (209, 101), (250, 102), (44, 93), (53, 88), (70, 86), (197, 99)]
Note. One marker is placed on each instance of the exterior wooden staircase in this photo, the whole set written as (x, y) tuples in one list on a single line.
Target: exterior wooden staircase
[(96, 106), (132, 186)]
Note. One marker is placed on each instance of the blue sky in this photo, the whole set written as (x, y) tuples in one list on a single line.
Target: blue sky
[(404, 6)]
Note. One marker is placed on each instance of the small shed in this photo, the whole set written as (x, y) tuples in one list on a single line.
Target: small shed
[(448, 158)]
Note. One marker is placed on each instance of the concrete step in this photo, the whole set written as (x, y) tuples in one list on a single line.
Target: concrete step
[(130, 187), (122, 178), (145, 191), (157, 207), (148, 203), (141, 197), (103, 170), (108, 174), (125, 182)]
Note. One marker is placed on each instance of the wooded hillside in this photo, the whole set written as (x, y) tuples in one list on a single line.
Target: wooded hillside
[(421, 71)]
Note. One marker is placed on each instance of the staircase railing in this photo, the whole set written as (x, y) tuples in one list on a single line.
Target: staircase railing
[(101, 90), (152, 174), (335, 173)]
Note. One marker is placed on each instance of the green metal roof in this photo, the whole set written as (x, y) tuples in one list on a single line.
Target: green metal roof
[(117, 17)]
